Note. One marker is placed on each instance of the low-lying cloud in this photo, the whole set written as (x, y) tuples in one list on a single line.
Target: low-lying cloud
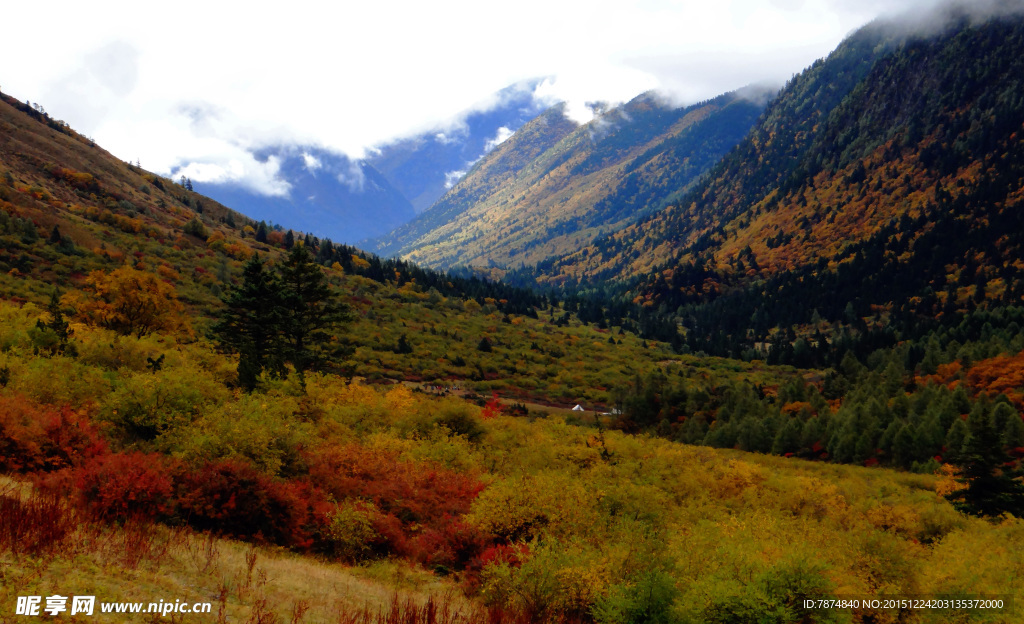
[(261, 177), (451, 178), (206, 88), (353, 177), (500, 137)]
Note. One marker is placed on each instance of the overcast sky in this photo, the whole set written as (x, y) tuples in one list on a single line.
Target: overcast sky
[(207, 82)]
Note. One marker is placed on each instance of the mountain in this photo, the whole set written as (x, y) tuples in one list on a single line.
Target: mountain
[(348, 200), (330, 195), (127, 449), (554, 186), (884, 182), (423, 167)]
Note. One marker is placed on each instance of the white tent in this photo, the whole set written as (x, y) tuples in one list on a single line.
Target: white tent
[(578, 408)]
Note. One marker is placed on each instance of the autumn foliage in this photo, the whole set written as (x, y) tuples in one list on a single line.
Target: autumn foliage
[(130, 302), (416, 506), (35, 437), (122, 486), (412, 509), (1003, 374)]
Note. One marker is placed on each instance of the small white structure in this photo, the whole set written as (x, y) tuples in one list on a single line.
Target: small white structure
[(578, 408)]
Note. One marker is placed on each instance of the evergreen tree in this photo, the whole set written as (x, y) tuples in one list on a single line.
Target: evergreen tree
[(57, 330), (252, 324), (289, 240), (992, 487), (1013, 432), (261, 232), (311, 309), (955, 438), (29, 234)]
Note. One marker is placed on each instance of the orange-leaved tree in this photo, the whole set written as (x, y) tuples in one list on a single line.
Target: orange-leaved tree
[(130, 302)]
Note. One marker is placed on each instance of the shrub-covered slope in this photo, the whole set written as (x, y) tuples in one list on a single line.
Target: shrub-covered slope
[(553, 186), (901, 145)]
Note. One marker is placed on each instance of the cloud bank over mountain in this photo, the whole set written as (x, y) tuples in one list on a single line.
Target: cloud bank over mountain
[(206, 85)]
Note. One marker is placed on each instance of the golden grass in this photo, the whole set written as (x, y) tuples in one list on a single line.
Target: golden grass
[(147, 563)]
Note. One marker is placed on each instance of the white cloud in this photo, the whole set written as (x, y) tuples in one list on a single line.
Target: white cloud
[(444, 139), (311, 162), (353, 177), (500, 137), (452, 177), (260, 177), (212, 82)]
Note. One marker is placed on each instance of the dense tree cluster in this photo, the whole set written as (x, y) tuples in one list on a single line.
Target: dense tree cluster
[(285, 317)]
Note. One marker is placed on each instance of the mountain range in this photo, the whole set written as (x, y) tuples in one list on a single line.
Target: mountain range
[(891, 131), (855, 257), (348, 200), (555, 185)]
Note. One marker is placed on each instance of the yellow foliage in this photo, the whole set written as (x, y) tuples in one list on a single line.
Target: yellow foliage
[(947, 483), (399, 399), (130, 302), (738, 476), (897, 518), (167, 273)]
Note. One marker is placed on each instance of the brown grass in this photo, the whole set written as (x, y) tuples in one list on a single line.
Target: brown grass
[(47, 549), (442, 610)]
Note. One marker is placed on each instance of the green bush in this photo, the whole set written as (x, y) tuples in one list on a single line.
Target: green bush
[(261, 430), (349, 532), (646, 600), (60, 380), (146, 405)]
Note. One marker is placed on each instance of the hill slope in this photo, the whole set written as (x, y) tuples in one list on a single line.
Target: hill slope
[(425, 166), (554, 186), (542, 518), (864, 146)]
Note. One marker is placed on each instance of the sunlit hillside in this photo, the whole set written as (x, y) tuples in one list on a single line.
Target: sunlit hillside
[(554, 186), (199, 408)]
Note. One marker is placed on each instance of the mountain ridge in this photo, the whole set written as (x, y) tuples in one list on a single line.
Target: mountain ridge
[(571, 183)]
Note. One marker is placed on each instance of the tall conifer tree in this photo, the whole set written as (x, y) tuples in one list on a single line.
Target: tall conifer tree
[(252, 324), (311, 309), (992, 485)]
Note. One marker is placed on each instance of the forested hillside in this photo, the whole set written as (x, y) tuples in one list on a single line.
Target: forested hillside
[(73, 216), (554, 186), (860, 142), (195, 405), (876, 182)]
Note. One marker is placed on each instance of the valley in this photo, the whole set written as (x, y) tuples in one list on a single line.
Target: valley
[(792, 323)]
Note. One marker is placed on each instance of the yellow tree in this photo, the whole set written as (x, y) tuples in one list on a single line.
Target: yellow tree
[(130, 302)]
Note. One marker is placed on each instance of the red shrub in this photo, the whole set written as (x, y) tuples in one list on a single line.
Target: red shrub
[(71, 439), (234, 498), (492, 409), (450, 544), (391, 535), (511, 554), (418, 503), (414, 492), (120, 486), (34, 437)]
